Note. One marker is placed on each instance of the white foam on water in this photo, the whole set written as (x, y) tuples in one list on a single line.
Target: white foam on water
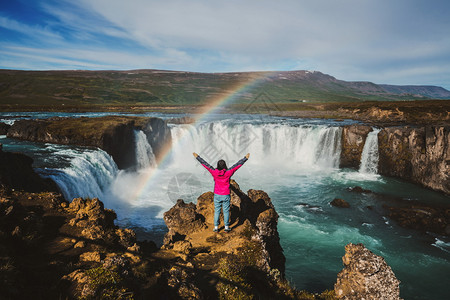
[(444, 246)]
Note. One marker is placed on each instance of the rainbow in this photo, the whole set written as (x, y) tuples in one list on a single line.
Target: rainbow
[(211, 107)]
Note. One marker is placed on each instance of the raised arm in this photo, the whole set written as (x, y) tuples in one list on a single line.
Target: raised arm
[(239, 164), (203, 162)]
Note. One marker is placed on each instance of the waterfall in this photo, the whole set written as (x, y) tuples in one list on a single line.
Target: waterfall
[(90, 173), (290, 146), (144, 152), (369, 156)]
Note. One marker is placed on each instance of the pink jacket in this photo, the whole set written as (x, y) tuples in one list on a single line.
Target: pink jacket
[(222, 177)]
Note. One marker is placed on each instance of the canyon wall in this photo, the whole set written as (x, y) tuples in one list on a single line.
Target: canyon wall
[(417, 154), (420, 155)]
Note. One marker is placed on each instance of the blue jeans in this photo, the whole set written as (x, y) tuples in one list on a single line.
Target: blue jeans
[(222, 201)]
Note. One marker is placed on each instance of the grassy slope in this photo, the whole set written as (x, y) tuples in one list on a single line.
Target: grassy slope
[(166, 88)]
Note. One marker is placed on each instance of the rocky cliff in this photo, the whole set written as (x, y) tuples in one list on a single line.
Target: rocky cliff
[(417, 154), (365, 276), (420, 155), (353, 139), (249, 255), (16, 172), (113, 134)]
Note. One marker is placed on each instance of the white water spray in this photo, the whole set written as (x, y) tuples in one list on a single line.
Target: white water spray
[(369, 156)]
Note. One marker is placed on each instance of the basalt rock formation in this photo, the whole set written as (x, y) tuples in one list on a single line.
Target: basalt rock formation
[(417, 154), (420, 155), (365, 276), (114, 134), (353, 139)]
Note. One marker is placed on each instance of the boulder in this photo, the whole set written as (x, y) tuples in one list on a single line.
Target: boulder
[(97, 223), (127, 237), (423, 218), (365, 276), (90, 256), (183, 218), (205, 207), (338, 202), (360, 190), (91, 212)]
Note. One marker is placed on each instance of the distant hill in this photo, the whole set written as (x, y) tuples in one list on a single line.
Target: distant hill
[(158, 87), (430, 91)]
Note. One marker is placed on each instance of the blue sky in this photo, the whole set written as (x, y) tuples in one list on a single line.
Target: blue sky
[(383, 41)]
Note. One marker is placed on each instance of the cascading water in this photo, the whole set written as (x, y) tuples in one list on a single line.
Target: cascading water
[(89, 175), (144, 152), (285, 145), (369, 156)]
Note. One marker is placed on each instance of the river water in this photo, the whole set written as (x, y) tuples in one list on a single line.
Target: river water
[(295, 161)]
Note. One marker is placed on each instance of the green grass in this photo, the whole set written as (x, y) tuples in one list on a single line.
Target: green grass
[(162, 88)]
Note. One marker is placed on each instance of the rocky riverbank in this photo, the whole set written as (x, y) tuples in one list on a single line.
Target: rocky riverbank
[(114, 134)]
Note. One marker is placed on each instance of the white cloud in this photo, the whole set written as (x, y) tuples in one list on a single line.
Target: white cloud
[(349, 39), (270, 29), (34, 31), (95, 58)]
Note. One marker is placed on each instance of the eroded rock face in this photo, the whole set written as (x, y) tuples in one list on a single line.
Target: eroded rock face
[(421, 155), (365, 276), (417, 154), (98, 223), (353, 139), (113, 134), (183, 218)]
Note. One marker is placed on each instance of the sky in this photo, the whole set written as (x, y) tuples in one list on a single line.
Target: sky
[(382, 41)]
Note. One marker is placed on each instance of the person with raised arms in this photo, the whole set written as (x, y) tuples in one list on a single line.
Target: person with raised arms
[(222, 197)]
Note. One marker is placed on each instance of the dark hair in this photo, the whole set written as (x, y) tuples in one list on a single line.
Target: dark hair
[(221, 165)]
